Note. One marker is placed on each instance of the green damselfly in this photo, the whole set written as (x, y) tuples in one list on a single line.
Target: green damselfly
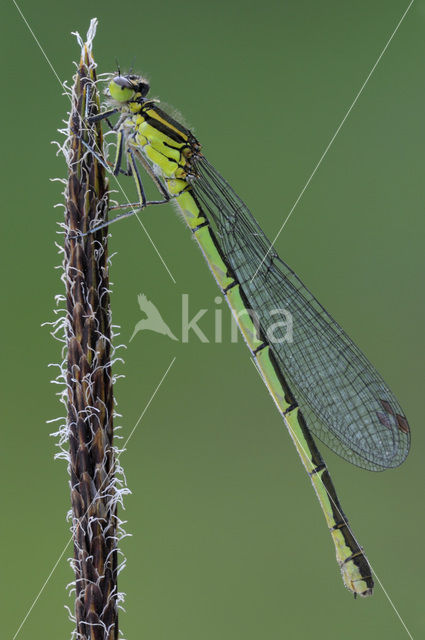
[(321, 382)]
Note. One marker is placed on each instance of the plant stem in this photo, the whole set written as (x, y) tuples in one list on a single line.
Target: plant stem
[(89, 379)]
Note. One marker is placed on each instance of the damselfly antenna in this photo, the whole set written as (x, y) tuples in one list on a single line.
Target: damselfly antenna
[(132, 65)]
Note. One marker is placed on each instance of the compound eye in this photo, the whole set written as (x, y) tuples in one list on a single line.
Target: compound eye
[(123, 82), (121, 89), (144, 89)]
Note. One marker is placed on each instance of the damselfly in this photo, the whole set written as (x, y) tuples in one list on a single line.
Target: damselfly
[(320, 381)]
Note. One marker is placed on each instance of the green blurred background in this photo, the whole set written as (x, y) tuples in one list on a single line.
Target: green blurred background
[(228, 540)]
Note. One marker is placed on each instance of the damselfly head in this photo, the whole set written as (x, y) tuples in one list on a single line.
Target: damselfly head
[(128, 88)]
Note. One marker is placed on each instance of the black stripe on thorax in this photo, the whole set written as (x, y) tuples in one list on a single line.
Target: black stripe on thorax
[(185, 137)]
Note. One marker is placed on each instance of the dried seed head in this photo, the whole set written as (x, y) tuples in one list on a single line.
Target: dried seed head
[(86, 370)]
